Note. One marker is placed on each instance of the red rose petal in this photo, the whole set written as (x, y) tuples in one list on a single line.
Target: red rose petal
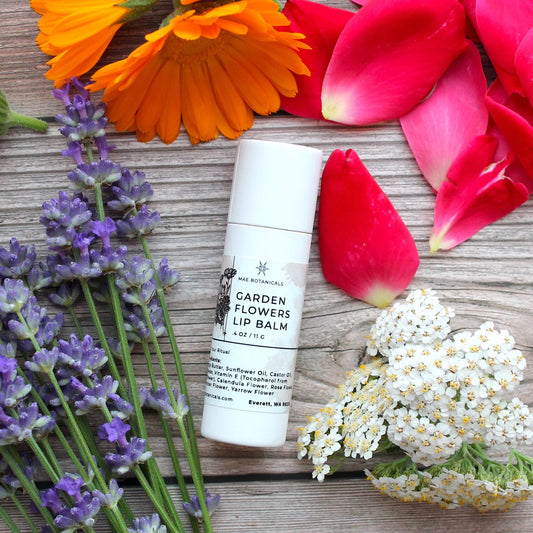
[(501, 25), (438, 128), (523, 61), (470, 200), (514, 117), (365, 247), (308, 18), (388, 58)]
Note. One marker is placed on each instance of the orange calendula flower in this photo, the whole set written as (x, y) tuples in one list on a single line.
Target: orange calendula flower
[(209, 69), (76, 33)]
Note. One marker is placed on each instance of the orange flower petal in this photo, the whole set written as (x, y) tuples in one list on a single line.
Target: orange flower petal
[(199, 117), (236, 112), (254, 87), (168, 125), (155, 99)]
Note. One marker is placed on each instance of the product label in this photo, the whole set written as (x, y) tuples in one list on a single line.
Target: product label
[(255, 338)]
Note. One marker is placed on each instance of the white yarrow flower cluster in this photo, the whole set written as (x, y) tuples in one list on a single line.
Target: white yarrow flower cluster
[(451, 489), (430, 395)]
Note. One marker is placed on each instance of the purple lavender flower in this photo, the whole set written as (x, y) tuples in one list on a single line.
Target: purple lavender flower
[(116, 348), (71, 484), (86, 176), (17, 261), (44, 361), (13, 295), (101, 394), (108, 259), (137, 329), (83, 120), (13, 388), (81, 508), (141, 224), (65, 295), (110, 499), (114, 431), (128, 456), (104, 229), (194, 509), (135, 273), (14, 430), (37, 323), (39, 277), (79, 357), (64, 218), (50, 498), (79, 516), (148, 524), (120, 408), (131, 191), (167, 276), (84, 269), (95, 397), (8, 348), (103, 147), (159, 400), (75, 151)]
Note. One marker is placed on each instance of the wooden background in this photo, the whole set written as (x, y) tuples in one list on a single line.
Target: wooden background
[(487, 278)]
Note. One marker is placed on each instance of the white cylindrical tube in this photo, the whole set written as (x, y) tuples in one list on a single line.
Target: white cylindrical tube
[(261, 294)]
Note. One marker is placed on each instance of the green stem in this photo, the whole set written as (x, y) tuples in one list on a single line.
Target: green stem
[(169, 440), (175, 349), (50, 454), (77, 324), (57, 430), (171, 525), (17, 119), (195, 472), (41, 457), (102, 337), (130, 379)]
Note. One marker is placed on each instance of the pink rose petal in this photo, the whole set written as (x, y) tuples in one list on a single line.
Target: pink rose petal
[(470, 10), (501, 25), (365, 247), (476, 194), (523, 61), (515, 170), (514, 117), (388, 58), (438, 128), (308, 18)]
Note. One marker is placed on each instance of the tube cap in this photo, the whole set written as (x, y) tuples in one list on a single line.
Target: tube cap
[(275, 185)]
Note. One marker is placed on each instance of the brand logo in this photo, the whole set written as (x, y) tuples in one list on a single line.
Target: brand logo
[(262, 268)]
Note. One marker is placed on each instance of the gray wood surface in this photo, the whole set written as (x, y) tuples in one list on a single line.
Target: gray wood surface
[(487, 278)]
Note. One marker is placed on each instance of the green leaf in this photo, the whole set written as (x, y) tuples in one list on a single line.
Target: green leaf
[(137, 9)]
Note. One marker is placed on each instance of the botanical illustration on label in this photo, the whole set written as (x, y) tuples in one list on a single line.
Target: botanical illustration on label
[(255, 337)]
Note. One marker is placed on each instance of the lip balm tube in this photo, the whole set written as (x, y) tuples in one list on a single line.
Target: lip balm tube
[(262, 283)]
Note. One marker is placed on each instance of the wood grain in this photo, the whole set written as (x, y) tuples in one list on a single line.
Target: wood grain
[(486, 278)]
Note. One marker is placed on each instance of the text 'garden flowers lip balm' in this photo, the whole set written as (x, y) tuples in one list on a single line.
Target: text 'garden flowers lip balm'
[(262, 284)]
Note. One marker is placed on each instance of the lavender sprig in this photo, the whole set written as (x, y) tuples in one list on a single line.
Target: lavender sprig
[(129, 192)]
